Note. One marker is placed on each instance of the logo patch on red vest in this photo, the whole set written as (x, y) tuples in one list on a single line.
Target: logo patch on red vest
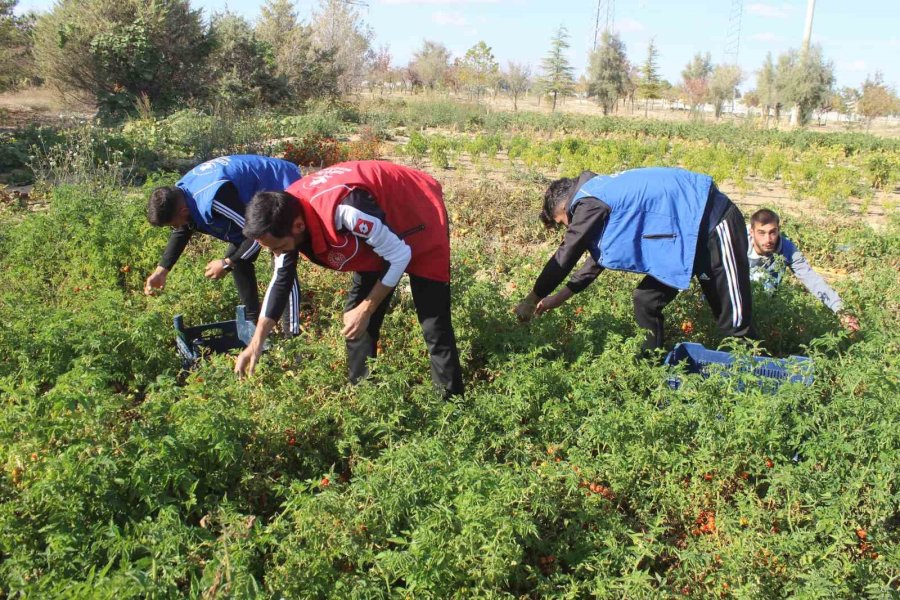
[(336, 259), (363, 227)]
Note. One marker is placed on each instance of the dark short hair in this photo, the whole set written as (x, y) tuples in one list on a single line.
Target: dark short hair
[(272, 213), (558, 192), (162, 205), (764, 216)]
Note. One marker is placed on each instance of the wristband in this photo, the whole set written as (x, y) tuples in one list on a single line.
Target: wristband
[(226, 265)]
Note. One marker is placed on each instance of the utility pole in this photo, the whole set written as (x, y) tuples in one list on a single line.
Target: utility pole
[(804, 51)]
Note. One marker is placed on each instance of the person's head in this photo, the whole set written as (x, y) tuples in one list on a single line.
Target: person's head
[(275, 220), (765, 231), (554, 211), (167, 207)]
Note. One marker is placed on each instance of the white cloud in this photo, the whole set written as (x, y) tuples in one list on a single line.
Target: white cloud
[(628, 26), (765, 37), (767, 11), (453, 19)]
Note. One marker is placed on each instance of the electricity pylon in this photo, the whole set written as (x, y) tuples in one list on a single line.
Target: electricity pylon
[(733, 39), (606, 11)]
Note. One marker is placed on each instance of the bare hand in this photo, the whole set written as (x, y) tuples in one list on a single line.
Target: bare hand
[(356, 321), (850, 322), (215, 269), (157, 280), (549, 303), (525, 309), (246, 361)]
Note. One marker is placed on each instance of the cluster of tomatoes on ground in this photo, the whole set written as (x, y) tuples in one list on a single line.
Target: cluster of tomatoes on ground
[(865, 547), (589, 487), (705, 523), (291, 437)]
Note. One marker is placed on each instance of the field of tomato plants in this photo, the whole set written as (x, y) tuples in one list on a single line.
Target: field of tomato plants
[(570, 470)]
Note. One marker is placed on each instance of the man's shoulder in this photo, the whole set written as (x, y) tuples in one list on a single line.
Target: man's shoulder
[(786, 246)]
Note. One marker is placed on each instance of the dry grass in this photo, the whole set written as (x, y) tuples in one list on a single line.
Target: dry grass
[(41, 105), (881, 127)]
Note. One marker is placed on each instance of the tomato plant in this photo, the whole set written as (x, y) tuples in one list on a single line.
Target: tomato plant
[(569, 469)]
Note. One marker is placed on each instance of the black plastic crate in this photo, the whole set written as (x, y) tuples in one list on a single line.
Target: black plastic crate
[(771, 371), (194, 342)]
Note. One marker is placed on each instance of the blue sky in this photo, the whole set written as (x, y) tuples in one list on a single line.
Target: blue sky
[(859, 36)]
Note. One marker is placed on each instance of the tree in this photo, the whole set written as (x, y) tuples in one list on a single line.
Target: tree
[(804, 81), (16, 56), (557, 79), (308, 71), (671, 93), (608, 72), (631, 85), (114, 51), (311, 72), (337, 28), (876, 99), (751, 100), (277, 20), (767, 89), (241, 71), (478, 69), (723, 85), (518, 81), (649, 87), (849, 100), (430, 64), (696, 80), (829, 103), (382, 72)]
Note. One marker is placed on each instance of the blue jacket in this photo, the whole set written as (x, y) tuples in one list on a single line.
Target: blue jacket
[(249, 174), (654, 221)]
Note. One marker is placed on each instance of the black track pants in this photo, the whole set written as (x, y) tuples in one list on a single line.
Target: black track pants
[(723, 271), (432, 302), (244, 272)]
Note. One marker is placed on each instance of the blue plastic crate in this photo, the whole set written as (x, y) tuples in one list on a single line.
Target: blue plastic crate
[(194, 342), (771, 371)]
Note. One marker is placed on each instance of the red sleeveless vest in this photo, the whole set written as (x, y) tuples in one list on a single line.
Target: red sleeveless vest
[(414, 210)]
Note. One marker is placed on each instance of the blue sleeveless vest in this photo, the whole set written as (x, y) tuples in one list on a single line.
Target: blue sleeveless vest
[(249, 174), (654, 221)]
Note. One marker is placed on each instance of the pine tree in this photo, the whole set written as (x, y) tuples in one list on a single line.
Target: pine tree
[(558, 79), (649, 86), (608, 72), (277, 19)]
